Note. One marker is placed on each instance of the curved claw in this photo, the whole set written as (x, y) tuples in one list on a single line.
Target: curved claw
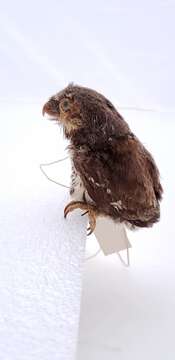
[(92, 222), (89, 231), (85, 213), (72, 206), (88, 209), (66, 211), (75, 205)]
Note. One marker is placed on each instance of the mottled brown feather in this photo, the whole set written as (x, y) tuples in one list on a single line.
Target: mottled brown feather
[(118, 173)]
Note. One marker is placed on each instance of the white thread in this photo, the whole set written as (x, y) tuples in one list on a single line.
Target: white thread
[(93, 256), (128, 257), (51, 163)]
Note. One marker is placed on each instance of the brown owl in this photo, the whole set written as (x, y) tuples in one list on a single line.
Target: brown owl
[(112, 172)]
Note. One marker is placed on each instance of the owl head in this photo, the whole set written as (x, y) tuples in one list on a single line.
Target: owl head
[(77, 107), (83, 112)]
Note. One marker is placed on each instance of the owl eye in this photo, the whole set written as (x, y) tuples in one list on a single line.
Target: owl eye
[(65, 105)]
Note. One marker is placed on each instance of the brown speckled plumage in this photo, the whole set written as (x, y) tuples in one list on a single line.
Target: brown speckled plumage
[(116, 174)]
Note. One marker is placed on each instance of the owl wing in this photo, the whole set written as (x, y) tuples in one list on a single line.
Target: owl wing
[(119, 184), (154, 173)]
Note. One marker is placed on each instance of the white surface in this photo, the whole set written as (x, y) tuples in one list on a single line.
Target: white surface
[(41, 253), (130, 314)]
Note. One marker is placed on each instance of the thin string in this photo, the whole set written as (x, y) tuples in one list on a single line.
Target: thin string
[(126, 264), (51, 163), (93, 256)]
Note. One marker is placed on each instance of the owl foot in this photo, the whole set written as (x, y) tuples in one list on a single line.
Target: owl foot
[(90, 209)]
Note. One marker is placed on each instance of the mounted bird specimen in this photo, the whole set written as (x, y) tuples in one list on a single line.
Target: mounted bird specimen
[(113, 174)]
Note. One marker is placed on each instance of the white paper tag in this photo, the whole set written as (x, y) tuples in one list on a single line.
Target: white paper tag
[(111, 237)]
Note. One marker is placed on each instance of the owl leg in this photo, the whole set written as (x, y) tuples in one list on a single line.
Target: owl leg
[(90, 209)]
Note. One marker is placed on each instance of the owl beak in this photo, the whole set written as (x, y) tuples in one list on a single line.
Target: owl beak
[(44, 110), (47, 109)]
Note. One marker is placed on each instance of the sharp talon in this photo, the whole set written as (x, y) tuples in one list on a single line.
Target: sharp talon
[(92, 223), (85, 213), (89, 209), (90, 232), (66, 211), (73, 205)]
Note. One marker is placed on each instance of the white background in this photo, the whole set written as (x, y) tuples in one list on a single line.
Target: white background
[(125, 49)]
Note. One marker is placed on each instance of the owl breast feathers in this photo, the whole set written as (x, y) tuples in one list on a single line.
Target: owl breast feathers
[(112, 170)]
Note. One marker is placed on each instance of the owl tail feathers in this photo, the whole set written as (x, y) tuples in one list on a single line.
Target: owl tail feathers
[(145, 220)]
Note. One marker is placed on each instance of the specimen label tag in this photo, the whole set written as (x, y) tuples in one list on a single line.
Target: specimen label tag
[(111, 237)]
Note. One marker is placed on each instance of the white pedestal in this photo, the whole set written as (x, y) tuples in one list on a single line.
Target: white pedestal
[(41, 253)]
